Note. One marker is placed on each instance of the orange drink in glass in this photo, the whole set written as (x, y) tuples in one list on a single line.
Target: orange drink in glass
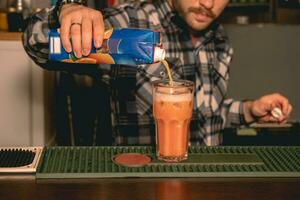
[(172, 110)]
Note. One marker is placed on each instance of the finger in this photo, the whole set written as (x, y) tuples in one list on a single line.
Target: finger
[(65, 34), (282, 103), (289, 111), (274, 119), (86, 31), (76, 39), (285, 117), (268, 118), (283, 121), (98, 30), (285, 107)]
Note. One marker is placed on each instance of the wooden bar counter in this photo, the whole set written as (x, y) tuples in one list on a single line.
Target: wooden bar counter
[(27, 187), (4, 35)]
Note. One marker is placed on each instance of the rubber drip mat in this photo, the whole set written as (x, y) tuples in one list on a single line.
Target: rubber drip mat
[(19, 159), (222, 161)]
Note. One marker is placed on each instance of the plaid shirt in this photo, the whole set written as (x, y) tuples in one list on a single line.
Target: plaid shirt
[(206, 64)]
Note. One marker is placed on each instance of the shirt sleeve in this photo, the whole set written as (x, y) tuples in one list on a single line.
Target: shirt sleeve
[(35, 37), (233, 111), (116, 17), (220, 111)]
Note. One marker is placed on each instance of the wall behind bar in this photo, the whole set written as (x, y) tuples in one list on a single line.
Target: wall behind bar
[(40, 3), (266, 60)]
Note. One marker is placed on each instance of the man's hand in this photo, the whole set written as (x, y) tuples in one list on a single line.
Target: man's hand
[(79, 24), (260, 110)]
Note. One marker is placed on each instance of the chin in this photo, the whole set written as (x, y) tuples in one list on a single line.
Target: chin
[(197, 25)]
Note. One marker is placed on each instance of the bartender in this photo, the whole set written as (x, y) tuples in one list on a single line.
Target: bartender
[(197, 49)]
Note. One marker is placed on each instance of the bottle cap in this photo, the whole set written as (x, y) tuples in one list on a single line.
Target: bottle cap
[(159, 54)]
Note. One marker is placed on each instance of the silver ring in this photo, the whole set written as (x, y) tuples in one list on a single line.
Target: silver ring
[(76, 23)]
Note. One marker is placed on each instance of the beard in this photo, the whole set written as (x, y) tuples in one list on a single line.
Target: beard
[(196, 18)]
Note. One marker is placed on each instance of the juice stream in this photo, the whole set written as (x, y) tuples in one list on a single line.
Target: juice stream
[(166, 64)]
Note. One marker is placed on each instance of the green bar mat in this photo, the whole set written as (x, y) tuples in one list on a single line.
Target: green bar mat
[(221, 161)]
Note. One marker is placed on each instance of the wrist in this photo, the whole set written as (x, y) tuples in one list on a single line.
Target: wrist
[(248, 115), (63, 6), (62, 3)]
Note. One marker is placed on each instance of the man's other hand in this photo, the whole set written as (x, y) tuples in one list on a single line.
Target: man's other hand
[(79, 26), (260, 110)]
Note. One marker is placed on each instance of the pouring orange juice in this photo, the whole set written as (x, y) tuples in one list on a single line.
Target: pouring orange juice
[(172, 110)]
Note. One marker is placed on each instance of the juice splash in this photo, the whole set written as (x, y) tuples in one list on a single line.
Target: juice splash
[(166, 64)]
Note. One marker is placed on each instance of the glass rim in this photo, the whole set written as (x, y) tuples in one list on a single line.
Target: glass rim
[(161, 83)]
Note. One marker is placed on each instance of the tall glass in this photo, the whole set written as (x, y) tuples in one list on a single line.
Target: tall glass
[(172, 110)]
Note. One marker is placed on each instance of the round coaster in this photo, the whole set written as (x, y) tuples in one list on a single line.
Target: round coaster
[(131, 159)]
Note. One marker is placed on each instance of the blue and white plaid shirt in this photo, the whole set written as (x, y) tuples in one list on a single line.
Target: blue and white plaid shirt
[(206, 64)]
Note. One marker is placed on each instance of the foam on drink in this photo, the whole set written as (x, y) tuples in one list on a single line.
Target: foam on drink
[(173, 97)]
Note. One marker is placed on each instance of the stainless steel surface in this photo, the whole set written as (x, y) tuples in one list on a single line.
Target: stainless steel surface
[(31, 168)]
